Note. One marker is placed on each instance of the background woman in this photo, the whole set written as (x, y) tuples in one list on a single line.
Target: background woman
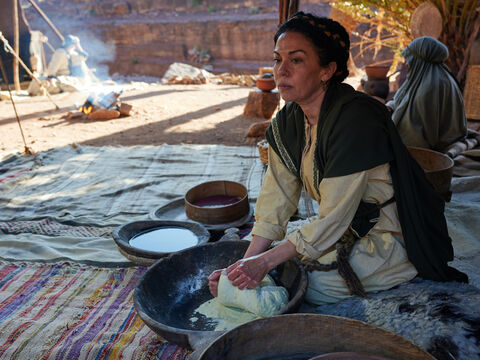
[(428, 108)]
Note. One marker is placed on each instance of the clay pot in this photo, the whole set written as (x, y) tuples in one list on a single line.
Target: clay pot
[(378, 87), (377, 72), (266, 84)]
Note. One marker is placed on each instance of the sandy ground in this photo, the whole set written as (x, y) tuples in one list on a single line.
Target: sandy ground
[(172, 114), (161, 114)]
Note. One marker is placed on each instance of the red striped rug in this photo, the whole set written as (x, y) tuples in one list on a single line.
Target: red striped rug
[(73, 311)]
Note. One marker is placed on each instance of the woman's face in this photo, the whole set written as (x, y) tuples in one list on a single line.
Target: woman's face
[(297, 70)]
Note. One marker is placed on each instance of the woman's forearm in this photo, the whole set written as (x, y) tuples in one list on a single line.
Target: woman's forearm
[(257, 246), (279, 254)]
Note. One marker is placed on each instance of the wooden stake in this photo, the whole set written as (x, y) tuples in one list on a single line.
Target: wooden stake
[(16, 45), (42, 14), (292, 7), (26, 148)]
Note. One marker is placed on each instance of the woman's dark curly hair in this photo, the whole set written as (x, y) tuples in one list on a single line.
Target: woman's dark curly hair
[(329, 38)]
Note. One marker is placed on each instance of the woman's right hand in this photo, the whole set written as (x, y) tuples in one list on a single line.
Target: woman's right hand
[(213, 279)]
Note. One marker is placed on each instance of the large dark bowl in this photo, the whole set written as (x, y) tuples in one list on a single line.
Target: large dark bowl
[(305, 336), (171, 290), (124, 233)]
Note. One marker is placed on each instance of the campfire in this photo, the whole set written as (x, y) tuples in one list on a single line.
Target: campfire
[(102, 106), (86, 108)]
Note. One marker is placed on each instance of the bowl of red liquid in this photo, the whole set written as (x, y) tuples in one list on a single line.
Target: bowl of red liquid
[(217, 202)]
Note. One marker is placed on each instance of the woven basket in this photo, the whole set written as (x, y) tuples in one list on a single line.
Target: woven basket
[(426, 21), (263, 151), (472, 93), (343, 18)]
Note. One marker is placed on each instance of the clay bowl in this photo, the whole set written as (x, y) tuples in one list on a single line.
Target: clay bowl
[(438, 168), (376, 72), (169, 292), (217, 202), (147, 255), (266, 84), (303, 336)]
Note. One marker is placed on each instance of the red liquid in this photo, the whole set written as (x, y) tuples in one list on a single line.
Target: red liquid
[(217, 201)]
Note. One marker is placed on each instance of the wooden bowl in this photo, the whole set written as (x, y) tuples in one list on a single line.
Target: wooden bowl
[(348, 356), (438, 167), (217, 202), (148, 255), (377, 72), (303, 336), (266, 84)]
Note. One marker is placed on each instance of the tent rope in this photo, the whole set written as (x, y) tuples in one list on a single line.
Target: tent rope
[(27, 149)]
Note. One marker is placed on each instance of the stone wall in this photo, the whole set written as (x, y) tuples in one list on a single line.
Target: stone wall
[(145, 36)]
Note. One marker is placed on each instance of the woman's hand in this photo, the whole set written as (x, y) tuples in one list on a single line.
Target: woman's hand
[(213, 279), (248, 273)]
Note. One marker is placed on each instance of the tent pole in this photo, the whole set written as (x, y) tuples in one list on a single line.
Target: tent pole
[(16, 45), (9, 48), (293, 7), (47, 20), (26, 148)]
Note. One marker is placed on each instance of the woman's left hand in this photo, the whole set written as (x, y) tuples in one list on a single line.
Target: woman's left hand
[(248, 273)]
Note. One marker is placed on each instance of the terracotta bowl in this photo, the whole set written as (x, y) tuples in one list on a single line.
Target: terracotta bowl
[(438, 167), (266, 84), (377, 71), (217, 202)]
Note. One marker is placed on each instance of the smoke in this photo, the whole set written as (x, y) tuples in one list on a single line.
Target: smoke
[(99, 53)]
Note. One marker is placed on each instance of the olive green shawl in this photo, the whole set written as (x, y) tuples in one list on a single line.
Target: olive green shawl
[(355, 133)]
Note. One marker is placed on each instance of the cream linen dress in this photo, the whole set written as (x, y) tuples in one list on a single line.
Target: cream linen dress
[(379, 259)]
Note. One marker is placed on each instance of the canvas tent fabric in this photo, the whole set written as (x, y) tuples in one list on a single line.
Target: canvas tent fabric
[(66, 290), (7, 29), (70, 192)]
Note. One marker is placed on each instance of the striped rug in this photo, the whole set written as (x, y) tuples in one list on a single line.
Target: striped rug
[(73, 311)]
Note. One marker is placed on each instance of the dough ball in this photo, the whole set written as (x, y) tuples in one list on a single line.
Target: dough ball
[(265, 300)]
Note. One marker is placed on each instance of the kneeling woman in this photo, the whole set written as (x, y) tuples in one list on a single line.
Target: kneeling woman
[(380, 223)]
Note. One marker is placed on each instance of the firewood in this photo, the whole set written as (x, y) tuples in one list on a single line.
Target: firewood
[(104, 114), (125, 109), (72, 115)]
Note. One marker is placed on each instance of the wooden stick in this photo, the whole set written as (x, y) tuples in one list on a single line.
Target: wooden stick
[(16, 44), (9, 48), (47, 20), (26, 148), (293, 7)]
